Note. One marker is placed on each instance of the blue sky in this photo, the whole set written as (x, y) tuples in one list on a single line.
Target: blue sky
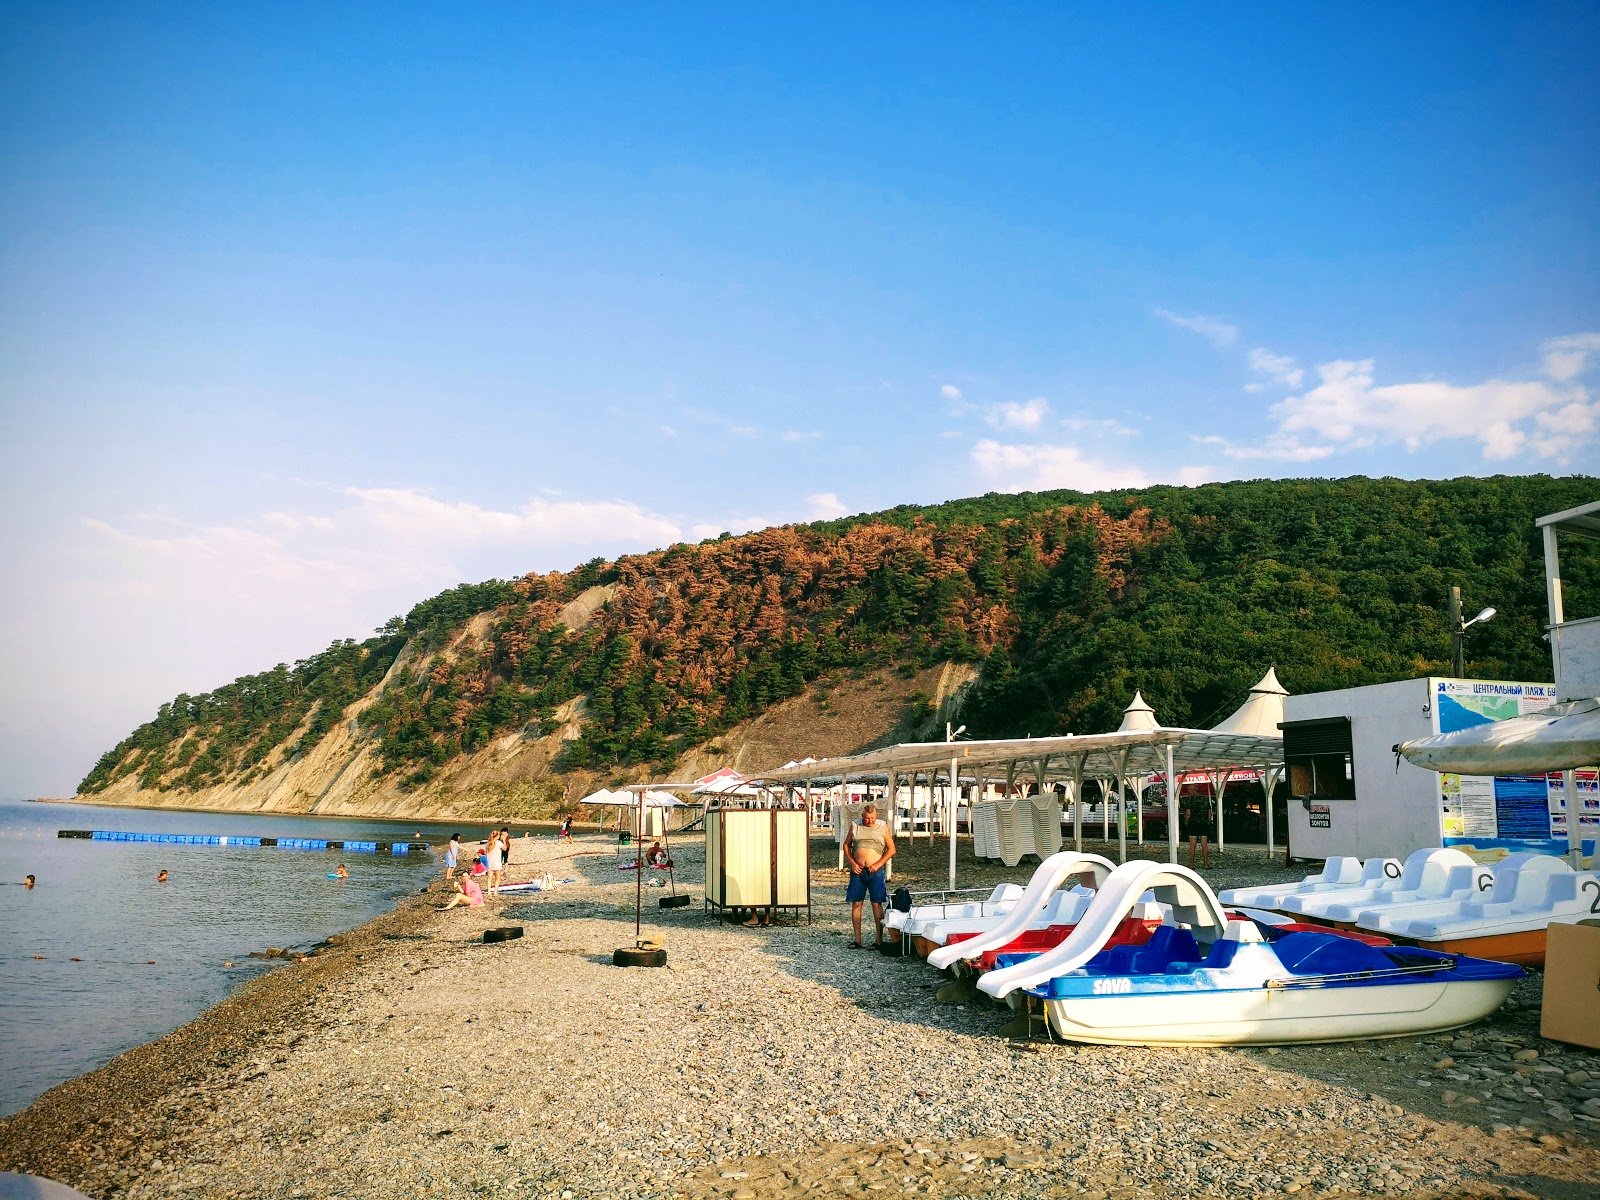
[(307, 314)]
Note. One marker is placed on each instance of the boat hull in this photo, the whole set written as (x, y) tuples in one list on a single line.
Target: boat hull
[(1275, 1016), (1525, 948)]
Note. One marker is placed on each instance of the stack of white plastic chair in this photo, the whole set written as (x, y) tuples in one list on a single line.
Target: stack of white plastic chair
[(1016, 831), (985, 830), (1046, 824), (845, 814)]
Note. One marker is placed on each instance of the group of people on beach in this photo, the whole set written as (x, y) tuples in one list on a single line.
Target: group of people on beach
[(486, 872)]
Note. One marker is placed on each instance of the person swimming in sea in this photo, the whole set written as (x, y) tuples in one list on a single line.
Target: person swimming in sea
[(28, 882), (161, 875), (342, 873)]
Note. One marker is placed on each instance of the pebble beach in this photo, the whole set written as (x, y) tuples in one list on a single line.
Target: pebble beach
[(409, 1058)]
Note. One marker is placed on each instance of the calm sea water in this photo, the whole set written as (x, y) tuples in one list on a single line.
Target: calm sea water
[(99, 902)]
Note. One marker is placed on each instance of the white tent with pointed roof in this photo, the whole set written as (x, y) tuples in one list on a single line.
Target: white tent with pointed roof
[(1261, 712), (1138, 715)]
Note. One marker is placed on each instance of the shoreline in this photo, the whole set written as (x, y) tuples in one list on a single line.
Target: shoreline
[(60, 1134), (464, 824), (412, 1057)]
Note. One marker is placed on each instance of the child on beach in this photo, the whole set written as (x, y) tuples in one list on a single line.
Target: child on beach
[(452, 854), (468, 893), (565, 832)]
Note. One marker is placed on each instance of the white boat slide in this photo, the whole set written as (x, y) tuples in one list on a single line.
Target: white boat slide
[(1189, 898), (1040, 906)]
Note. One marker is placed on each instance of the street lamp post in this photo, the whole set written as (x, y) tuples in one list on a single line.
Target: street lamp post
[(1458, 632)]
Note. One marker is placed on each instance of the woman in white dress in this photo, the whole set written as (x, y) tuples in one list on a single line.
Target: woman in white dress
[(497, 862)]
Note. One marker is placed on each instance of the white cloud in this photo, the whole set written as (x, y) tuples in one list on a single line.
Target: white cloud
[(1279, 368), (744, 431), (1277, 447), (795, 435), (826, 506), (1348, 409), (1218, 333), (412, 517), (668, 431), (1560, 429), (1013, 468), (1098, 425), (955, 401), (1012, 415), (1565, 358)]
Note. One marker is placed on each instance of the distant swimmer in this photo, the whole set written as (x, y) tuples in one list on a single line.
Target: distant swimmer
[(161, 877), (342, 873), (28, 882)]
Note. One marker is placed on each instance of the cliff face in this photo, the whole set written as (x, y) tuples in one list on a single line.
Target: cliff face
[(1040, 613), (512, 776)]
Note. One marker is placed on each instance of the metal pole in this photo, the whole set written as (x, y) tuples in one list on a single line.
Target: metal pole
[(1077, 801), (1138, 806), (1172, 809), (1219, 784), (1552, 576), (955, 798), (638, 866), (1458, 666), (1122, 807), (1266, 786)]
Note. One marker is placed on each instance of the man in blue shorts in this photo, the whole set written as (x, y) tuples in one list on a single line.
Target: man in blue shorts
[(868, 847)]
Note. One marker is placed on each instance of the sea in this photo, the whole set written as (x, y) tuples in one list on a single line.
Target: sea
[(98, 957)]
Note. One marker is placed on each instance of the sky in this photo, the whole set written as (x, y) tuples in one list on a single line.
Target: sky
[(307, 313)]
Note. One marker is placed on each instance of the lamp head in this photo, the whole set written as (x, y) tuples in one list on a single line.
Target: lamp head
[(1486, 615)]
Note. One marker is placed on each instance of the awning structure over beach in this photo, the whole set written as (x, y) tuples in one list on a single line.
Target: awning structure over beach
[(1140, 747), (1563, 737)]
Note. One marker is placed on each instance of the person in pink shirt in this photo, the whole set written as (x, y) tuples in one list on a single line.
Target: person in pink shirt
[(467, 893)]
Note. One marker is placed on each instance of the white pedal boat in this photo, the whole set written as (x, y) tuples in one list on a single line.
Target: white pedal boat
[(1337, 872), (1040, 906), (1243, 990), (1510, 921), (1428, 877), (1205, 980), (1379, 876), (952, 905)]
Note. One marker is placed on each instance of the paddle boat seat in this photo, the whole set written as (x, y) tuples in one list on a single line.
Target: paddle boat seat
[(1000, 899), (1541, 895), (1428, 875), (1378, 877), (1464, 884), (1337, 872)]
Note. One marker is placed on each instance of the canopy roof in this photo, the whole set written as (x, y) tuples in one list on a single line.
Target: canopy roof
[(726, 782), (1125, 752), (1262, 712), (1559, 738), (624, 798)]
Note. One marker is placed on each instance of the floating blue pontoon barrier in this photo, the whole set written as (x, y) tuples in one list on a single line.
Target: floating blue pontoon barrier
[(229, 839)]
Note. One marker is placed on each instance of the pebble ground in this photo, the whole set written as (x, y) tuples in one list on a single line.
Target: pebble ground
[(411, 1059)]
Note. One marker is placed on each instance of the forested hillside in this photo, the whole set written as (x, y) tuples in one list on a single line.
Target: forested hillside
[(1066, 601)]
